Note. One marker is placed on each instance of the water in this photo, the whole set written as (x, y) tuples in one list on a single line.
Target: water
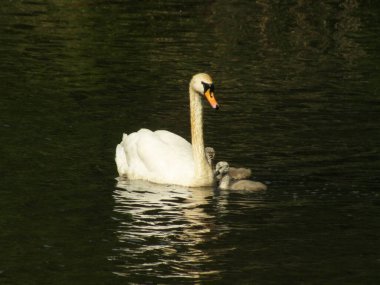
[(298, 87)]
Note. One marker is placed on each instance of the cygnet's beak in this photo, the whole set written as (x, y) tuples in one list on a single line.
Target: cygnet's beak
[(211, 99), (217, 174)]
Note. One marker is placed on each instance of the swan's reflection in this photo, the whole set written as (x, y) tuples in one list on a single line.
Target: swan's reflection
[(162, 229)]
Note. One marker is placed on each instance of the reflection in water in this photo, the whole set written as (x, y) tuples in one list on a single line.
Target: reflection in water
[(164, 227)]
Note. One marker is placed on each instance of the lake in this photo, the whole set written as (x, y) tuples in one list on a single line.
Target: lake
[(299, 91)]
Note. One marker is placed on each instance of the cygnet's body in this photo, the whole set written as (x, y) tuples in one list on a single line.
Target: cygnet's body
[(239, 173), (226, 181)]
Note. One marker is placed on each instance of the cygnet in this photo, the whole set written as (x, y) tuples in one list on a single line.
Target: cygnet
[(226, 181), (239, 173), (210, 154)]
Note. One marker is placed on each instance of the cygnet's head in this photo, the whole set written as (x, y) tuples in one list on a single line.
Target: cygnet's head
[(221, 169), (210, 154), (202, 84)]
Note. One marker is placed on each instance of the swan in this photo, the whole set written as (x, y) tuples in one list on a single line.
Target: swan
[(166, 158), (226, 181)]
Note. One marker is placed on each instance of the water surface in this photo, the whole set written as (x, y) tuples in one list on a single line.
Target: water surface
[(298, 85)]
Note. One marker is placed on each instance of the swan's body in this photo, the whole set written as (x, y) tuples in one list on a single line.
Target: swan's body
[(227, 182), (166, 158)]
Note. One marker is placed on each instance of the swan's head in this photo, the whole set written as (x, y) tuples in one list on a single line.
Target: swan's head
[(202, 84), (221, 168)]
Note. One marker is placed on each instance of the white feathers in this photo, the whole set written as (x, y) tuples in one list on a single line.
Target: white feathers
[(161, 157)]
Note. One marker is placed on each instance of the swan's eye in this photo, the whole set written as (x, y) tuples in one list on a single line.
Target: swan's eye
[(207, 86)]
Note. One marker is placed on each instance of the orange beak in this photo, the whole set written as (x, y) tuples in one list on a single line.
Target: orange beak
[(211, 99)]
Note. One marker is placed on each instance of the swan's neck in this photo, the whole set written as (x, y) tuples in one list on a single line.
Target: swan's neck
[(202, 167)]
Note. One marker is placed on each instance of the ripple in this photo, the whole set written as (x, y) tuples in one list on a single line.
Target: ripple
[(165, 229)]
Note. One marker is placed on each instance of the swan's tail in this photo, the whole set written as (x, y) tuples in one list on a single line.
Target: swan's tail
[(121, 159)]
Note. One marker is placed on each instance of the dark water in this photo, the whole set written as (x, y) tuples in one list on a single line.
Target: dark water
[(298, 84)]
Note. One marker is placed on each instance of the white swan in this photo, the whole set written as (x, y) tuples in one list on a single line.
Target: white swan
[(226, 181), (166, 158)]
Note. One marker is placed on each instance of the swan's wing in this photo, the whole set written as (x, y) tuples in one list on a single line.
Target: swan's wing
[(158, 156), (172, 139), (165, 151)]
